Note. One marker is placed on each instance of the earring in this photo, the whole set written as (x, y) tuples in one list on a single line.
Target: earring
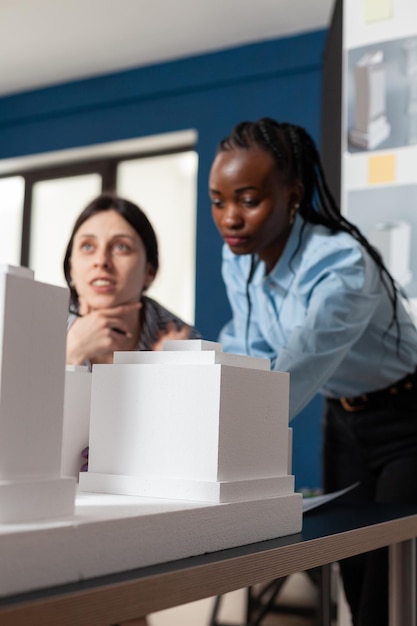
[(293, 211)]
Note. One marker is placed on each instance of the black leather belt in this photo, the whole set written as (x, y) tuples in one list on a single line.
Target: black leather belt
[(405, 386)]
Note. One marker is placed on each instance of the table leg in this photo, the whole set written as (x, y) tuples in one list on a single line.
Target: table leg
[(402, 584), (326, 595)]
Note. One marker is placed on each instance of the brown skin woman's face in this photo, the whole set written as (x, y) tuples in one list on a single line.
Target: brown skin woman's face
[(251, 206)]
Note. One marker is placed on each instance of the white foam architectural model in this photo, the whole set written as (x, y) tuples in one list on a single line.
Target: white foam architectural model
[(192, 423), (411, 110), (409, 49), (32, 347), (410, 67), (371, 126), (202, 436), (393, 240), (76, 418)]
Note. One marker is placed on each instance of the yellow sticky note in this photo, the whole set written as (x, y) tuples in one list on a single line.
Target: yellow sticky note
[(381, 169), (377, 10)]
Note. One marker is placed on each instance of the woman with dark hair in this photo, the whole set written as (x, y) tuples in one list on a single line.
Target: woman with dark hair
[(309, 292), (110, 261)]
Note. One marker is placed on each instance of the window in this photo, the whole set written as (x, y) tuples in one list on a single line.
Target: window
[(12, 192), (40, 198)]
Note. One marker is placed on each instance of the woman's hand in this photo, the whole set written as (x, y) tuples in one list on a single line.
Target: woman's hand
[(99, 333), (171, 332)]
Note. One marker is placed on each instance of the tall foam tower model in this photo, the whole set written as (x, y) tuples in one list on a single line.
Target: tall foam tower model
[(32, 375), (393, 240), (371, 126), (193, 423)]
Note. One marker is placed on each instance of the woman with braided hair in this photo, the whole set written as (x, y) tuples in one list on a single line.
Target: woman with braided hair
[(309, 292)]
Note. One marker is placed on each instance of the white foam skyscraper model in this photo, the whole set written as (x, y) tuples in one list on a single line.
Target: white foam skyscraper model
[(32, 374), (371, 126), (393, 240), (193, 423)]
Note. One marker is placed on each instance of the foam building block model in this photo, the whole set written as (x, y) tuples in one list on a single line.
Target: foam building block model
[(371, 126), (409, 48), (192, 423), (393, 240), (32, 347), (76, 418), (203, 434)]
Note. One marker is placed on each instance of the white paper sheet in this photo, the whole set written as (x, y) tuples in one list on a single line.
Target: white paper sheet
[(315, 501)]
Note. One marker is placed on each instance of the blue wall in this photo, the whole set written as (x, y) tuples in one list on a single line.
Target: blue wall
[(210, 93)]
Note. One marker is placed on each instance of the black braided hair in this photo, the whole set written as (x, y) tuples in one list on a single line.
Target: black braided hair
[(298, 160)]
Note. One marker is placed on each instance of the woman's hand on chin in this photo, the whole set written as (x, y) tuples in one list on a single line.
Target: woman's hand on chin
[(101, 332)]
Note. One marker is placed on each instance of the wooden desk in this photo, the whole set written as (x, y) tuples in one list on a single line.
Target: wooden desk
[(331, 533)]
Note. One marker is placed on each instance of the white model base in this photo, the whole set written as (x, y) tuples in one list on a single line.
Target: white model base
[(37, 499), (180, 489), (110, 534), (378, 130)]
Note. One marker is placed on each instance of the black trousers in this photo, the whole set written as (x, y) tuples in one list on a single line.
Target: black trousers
[(378, 447)]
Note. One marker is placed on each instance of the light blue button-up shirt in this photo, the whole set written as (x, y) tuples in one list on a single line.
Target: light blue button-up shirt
[(322, 314)]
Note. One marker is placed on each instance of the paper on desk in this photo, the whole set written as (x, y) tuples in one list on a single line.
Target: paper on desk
[(315, 501)]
